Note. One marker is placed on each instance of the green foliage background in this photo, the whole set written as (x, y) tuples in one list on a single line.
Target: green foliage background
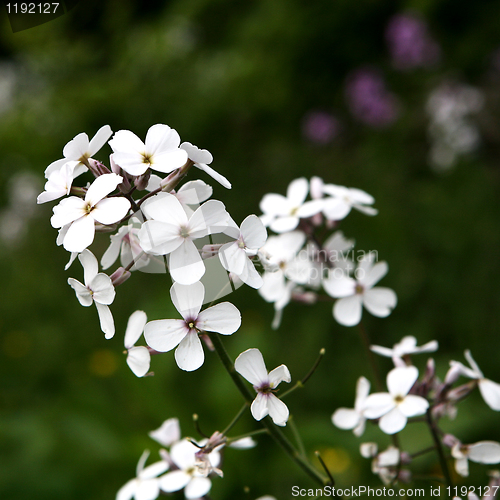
[(238, 78)]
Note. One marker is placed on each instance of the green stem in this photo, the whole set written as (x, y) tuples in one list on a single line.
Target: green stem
[(274, 431), (235, 419), (439, 448)]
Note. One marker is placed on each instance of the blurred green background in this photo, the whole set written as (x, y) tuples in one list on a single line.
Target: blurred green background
[(275, 89)]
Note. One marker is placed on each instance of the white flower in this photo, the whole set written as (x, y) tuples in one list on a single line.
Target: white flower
[(406, 347), (98, 289), (250, 365), (342, 199), (397, 405), (489, 390), (282, 213), (171, 232), (355, 293), (161, 151), (234, 256), (59, 183), (385, 463), (347, 418), (80, 149), (81, 215), (168, 433), (284, 269), (201, 159), (195, 484), (165, 334), (146, 486), (483, 452), (138, 357)]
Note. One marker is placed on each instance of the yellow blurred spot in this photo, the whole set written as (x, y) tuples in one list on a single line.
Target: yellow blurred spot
[(16, 344), (103, 363), (336, 459)]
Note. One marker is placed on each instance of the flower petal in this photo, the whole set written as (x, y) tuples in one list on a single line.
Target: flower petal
[(214, 174), (375, 274), (491, 393), (135, 326), (104, 291), (278, 410), (167, 161), (185, 264), (250, 365), (139, 359), (90, 266), (413, 406), (189, 354), (232, 257), (337, 287), (347, 311), (259, 406), (484, 452), (127, 491), (209, 218), (174, 481), (253, 231), (380, 301), (77, 147), (198, 487), (101, 187), (297, 191), (168, 433), (392, 422), (278, 375), (80, 234), (222, 318), (188, 299), (160, 138), (106, 320), (346, 418), (82, 292), (110, 210), (159, 238), (100, 138), (163, 335), (378, 404), (401, 380), (284, 224)]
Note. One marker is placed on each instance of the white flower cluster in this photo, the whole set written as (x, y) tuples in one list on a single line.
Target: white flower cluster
[(452, 131), (298, 263), (186, 465), (408, 397)]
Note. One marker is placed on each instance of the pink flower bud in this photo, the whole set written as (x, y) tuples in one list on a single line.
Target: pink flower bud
[(120, 276), (141, 182)]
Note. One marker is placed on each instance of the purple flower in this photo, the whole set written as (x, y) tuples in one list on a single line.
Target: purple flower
[(410, 44), (320, 127), (369, 100)]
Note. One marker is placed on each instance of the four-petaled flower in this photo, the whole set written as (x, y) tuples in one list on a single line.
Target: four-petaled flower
[(483, 452), (282, 213), (146, 486), (397, 405), (353, 418), (160, 152), (165, 334), (353, 293), (188, 475), (234, 256), (82, 214), (250, 365), (80, 149), (406, 347), (489, 390), (201, 159), (98, 288), (138, 357), (172, 232)]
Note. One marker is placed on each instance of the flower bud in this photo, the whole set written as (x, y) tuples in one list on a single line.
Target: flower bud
[(368, 450), (450, 440), (452, 375), (98, 168), (141, 182), (120, 276)]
